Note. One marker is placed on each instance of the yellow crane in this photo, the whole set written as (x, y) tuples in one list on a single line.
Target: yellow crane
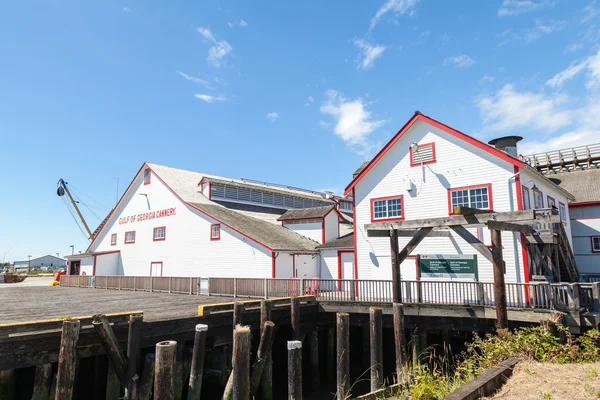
[(61, 190)]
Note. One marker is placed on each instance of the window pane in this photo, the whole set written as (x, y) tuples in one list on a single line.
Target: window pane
[(394, 208), (215, 229), (596, 243), (159, 233), (460, 198), (379, 209), (479, 198)]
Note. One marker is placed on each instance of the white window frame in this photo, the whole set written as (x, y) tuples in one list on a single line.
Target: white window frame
[(385, 205), (470, 204), (158, 229)]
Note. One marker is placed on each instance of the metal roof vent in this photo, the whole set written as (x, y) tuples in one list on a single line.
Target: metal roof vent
[(507, 144)]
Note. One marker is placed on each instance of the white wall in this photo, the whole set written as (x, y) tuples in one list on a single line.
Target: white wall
[(331, 226), (329, 264), (108, 264), (87, 266), (585, 223), (458, 164), (187, 250), (283, 265), (312, 230)]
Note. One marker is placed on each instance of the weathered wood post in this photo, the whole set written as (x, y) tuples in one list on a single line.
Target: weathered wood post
[(376, 348), (147, 380), (241, 363), (315, 376), (164, 370), (133, 350), (8, 386), (396, 278), (295, 313), (499, 286), (414, 345), (111, 346), (266, 380), (264, 348), (113, 385), (179, 372), (331, 353), (41, 383), (399, 338), (197, 369), (238, 313), (294, 370), (343, 355), (67, 360)]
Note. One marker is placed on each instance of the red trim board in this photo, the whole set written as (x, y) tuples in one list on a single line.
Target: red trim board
[(401, 217)]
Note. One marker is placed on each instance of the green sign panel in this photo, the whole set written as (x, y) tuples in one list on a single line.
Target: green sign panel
[(448, 266)]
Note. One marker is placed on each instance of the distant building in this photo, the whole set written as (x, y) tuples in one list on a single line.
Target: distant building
[(50, 262)]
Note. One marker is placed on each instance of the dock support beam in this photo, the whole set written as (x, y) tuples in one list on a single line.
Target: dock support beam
[(499, 286), (376, 348), (164, 370), (343, 355), (266, 380), (197, 368), (295, 312), (67, 360), (241, 363), (399, 338), (294, 369)]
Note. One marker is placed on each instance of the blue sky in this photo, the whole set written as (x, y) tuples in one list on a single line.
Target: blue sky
[(288, 92)]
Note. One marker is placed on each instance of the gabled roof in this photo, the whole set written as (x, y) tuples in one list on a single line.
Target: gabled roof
[(343, 242), (273, 236), (583, 184), (307, 213), (420, 117)]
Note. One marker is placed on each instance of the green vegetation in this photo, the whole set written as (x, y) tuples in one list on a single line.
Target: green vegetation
[(440, 374)]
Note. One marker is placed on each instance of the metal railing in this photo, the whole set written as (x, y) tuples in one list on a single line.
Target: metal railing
[(549, 296)]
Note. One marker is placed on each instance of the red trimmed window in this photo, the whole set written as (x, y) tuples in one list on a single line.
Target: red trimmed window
[(526, 198), (595, 244), (113, 239), (159, 233), (156, 268), (129, 237), (551, 202), (147, 176), (538, 199), (215, 232), (387, 208), (471, 196), (562, 210), (424, 155)]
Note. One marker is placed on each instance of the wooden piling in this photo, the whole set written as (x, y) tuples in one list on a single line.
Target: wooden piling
[(331, 363), (238, 313), (376, 348), (315, 376), (499, 286), (197, 369), (266, 380), (179, 372), (164, 370), (294, 370), (394, 258), (147, 379), (343, 355), (67, 360), (241, 363), (399, 338), (295, 312), (264, 347), (41, 383), (133, 350), (111, 346), (113, 386)]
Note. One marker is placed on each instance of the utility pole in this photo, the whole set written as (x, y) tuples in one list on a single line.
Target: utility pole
[(29, 267)]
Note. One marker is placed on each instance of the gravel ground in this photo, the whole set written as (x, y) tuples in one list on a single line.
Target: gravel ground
[(30, 281)]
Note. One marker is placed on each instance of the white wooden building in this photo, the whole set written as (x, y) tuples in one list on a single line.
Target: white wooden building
[(173, 222), (424, 170)]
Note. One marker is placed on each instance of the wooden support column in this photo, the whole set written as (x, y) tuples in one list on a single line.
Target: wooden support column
[(315, 376), (147, 380), (113, 386), (164, 370), (295, 312), (133, 350), (67, 360), (399, 338), (343, 355), (266, 380), (499, 286), (238, 313), (197, 368), (111, 346), (264, 348), (241, 363), (41, 383), (415, 347), (8, 388), (396, 278), (331, 370), (376, 348), (294, 370)]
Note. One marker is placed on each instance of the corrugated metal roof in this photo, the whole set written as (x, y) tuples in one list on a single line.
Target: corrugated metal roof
[(583, 184)]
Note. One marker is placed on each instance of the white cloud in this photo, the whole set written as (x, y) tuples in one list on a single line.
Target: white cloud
[(126, 9), (272, 116), (219, 49), (369, 53), (208, 98), (590, 12), (532, 34), (241, 23), (199, 81), (309, 101), (353, 123), (517, 7), (486, 79), (461, 61), (573, 47), (591, 64), (509, 110), (399, 7)]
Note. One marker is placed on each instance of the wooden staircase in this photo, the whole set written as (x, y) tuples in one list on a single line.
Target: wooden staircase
[(551, 255)]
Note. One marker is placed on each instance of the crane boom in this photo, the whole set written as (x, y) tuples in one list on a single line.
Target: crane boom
[(63, 185)]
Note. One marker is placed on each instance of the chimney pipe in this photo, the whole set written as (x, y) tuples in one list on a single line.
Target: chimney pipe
[(507, 144)]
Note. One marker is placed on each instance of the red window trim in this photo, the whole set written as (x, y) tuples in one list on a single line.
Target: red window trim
[(416, 164), (149, 176), (526, 189), (592, 244), (560, 203), (161, 239), (125, 237), (211, 229), (548, 197), (487, 185), (541, 196), (113, 239), (161, 267), (401, 217)]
